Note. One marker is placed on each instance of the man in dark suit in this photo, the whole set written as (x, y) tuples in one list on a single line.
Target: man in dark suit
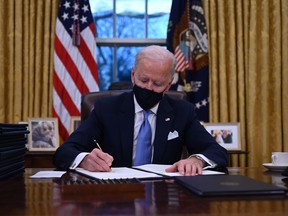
[(115, 123)]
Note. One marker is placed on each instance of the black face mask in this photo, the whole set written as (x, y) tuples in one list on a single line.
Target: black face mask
[(146, 98)]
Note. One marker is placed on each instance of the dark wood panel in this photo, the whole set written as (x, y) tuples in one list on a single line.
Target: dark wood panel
[(39, 160)]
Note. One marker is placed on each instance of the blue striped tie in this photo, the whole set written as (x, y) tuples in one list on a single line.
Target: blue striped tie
[(143, 147)]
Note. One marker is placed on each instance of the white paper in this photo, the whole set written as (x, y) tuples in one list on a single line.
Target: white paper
[(48, 174), (160, 169), (119, 173)]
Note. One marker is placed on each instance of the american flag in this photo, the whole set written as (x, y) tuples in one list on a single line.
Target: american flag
[(75, 66), (181, 55)]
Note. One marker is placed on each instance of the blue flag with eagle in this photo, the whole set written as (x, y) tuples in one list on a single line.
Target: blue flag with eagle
[(187, 38)]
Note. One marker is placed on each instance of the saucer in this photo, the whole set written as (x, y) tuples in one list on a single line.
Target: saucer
[(273, 167)]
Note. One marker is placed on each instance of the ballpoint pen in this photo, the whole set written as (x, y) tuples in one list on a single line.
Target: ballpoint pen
[(97, 145), (99, 148)]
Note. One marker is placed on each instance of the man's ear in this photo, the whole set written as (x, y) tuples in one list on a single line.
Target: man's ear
[(169, 85)]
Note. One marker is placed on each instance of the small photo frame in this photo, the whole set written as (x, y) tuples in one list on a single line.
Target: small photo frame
[(226, 134), (44, 134), (75, 121)]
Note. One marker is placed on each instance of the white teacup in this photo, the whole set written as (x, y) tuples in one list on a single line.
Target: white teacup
[(280, 158)]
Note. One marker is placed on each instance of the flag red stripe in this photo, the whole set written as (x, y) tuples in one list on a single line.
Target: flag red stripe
[(70, 66), (182, 62), (92, 28), (95, 75), (62, 130), (89, 58), (64, 95), (84, 50)]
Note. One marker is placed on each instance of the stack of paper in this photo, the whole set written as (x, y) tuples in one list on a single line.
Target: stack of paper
[(12, 149)]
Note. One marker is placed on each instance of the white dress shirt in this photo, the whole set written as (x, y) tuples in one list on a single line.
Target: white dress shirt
[(138, 120)]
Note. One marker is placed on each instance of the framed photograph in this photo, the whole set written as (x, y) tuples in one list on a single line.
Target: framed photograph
[(44, 134), (226, 134), (75, 121)]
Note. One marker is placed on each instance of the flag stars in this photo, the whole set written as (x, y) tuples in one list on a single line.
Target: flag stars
[(65, 16), (198, 105), (76, 7), (203, 103), (84, 19), (75, 17), (67, 5), (75, 12), (85, 8)]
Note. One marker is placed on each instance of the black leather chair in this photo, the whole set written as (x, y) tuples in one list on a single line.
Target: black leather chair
[(88, 100), (121, 85)]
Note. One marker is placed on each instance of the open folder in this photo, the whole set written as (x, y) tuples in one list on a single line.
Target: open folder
[(147, 171), (118, 173)]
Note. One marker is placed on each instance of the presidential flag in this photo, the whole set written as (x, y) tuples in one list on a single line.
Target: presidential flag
[(187, 38), (75, 66)]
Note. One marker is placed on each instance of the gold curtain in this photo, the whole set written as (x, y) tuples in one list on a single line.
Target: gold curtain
[(248, 51), (26, 58)]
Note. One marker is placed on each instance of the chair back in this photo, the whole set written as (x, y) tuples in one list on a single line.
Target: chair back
[(88, 100), (120, 85)]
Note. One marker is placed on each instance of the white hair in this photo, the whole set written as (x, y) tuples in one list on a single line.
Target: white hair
[(156, 53)]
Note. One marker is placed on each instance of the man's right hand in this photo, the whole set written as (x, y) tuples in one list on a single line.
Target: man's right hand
[(97, 161)]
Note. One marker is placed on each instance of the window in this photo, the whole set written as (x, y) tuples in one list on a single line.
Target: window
[(123, 28)]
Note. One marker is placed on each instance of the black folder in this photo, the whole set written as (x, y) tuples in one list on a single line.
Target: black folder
[(12, 173), (16, 143), (11, 167), (226, 185), (12, 160), (13, 129), (12, 137), (12, 153)]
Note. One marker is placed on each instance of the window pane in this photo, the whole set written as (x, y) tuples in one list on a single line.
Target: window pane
[(130, 19), (102, 11), (125, 57), (105, 66), (158, 17), (125, 61)]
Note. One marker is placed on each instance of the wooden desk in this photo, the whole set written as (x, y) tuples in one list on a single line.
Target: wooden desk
[(23, 196)]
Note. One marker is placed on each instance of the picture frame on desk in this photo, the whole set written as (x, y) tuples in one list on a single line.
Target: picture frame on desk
[(226, 134), (44, 134), (75, 121)]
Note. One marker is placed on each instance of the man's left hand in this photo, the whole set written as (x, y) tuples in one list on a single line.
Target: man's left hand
[(187, 167)]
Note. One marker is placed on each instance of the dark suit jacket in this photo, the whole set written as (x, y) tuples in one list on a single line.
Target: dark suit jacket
[(111, 123)]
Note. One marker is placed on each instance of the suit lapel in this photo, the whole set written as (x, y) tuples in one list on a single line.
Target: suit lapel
[(126, 122), (164, 121)]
